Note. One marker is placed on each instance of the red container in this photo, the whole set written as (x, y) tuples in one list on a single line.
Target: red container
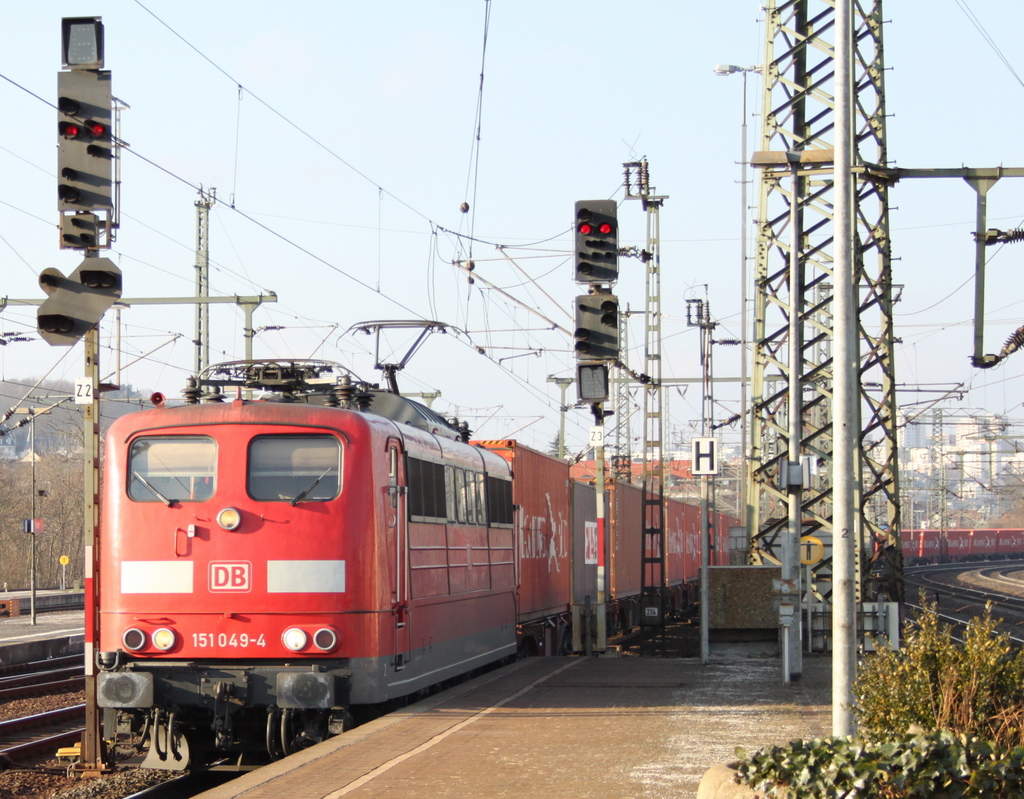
[(908, 543), (958, 544), (984, 544), (625, 542), (541, 492), (675, 541), (1010, 542), (928, 545)]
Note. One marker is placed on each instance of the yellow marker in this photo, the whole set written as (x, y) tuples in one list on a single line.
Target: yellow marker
[(811, 550)]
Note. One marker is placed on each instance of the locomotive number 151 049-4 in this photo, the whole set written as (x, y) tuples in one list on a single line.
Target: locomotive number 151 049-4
[(224, 639)]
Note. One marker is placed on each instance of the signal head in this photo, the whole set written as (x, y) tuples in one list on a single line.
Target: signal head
[(597, 328), (84, 160), (597, 246)]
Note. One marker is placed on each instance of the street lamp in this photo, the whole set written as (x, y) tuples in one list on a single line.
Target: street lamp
[(563, 383), (723, 70)]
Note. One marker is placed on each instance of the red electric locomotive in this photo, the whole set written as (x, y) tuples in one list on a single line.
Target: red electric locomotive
[(267, 565)]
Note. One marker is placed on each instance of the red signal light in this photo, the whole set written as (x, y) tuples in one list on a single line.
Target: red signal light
[(97, 129), (605, 228), (586, 228)]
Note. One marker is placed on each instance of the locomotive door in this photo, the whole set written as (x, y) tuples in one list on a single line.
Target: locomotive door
[(398, 522)]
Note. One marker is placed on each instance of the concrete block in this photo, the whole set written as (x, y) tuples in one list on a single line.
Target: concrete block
[(740, 597), (717, 783)]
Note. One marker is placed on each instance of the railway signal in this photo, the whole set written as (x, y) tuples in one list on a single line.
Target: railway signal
[(592, 382), (76, 303), (597, 242), (85, 140), (597, 327)]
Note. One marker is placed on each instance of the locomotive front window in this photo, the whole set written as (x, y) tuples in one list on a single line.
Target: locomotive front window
[(294, 469), (172, 469)]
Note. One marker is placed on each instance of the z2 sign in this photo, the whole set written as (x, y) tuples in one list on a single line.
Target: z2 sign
[(83, 391)]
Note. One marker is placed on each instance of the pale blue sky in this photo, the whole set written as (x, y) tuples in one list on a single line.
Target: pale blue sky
[(571, 90)]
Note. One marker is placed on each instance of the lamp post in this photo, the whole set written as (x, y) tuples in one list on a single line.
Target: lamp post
[(563, 383), (723, 70), (32, 413)]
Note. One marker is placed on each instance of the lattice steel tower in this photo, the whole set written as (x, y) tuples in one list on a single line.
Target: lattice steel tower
[(795, 208)]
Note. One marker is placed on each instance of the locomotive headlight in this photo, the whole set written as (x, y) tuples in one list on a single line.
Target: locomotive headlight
[(229, 518), (294, 639), (325, 639), (133, 639), (164, 639)]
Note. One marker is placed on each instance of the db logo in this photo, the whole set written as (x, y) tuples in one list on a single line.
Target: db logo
[(230, 576)]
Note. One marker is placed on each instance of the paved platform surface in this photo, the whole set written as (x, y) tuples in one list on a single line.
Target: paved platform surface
[(19, 629), (554, 727)]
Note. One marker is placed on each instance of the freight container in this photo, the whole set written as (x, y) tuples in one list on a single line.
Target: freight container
[(541, 497)]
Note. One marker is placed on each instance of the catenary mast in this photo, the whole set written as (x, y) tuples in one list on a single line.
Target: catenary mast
[(795, 231)]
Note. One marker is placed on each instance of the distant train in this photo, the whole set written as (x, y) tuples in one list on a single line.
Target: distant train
[(952, 546), (268, 567)]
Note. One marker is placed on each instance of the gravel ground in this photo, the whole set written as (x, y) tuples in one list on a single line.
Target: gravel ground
[(17, 708), (49, 779)]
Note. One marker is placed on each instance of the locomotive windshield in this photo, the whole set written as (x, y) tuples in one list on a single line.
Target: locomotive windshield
[(294, 468), (172, 468)]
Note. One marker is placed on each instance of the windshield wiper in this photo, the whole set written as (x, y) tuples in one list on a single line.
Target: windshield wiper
[(302, 494), (151, 487)]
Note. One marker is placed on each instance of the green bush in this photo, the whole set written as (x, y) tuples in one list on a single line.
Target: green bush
[(933, 682), (931, 765), (971, 697)]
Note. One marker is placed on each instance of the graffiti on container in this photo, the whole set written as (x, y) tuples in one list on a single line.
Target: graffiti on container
[(675, 538), (590, 543), (544, 537)]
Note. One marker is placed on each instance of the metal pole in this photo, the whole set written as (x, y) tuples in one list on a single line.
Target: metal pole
[(561, 427), (706, 328), (844, 420), (248, 334), (981, 186), (32, 448), (794, 482), (203, 205), (744, 410), (563, 383), (705, 560), (117, 347), (601, 644), (93, 760)]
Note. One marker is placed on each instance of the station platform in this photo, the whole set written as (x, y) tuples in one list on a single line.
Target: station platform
[(53, 635), (579, 727)]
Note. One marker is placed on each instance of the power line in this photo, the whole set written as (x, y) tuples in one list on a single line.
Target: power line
[(985, 35), (282, 116)]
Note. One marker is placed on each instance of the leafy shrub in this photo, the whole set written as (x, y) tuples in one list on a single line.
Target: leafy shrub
[(936, 764), (971, 696), (933, 682)]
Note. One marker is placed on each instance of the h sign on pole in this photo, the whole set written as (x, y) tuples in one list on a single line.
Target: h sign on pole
[(703, 456)]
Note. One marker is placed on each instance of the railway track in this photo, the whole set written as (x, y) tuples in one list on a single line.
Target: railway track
[(958, 602), (42, 734), (46, 677), (40, 665)]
